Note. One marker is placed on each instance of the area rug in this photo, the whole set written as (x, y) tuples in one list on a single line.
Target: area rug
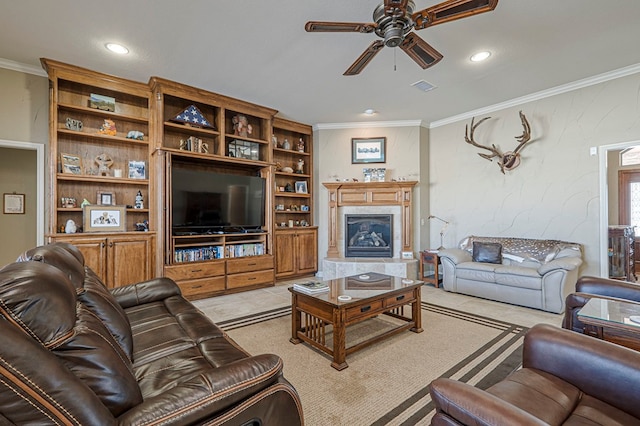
[(386, 383)]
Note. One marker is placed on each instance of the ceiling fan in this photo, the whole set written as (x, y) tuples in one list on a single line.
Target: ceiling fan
[(394, 21)]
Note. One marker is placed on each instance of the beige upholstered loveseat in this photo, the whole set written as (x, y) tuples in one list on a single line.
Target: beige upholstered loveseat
[(528, 272)]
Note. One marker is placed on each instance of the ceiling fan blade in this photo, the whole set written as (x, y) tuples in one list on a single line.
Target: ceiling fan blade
[(451, 10), (420, 51), (365, 58), (341, 27), (395, 7)]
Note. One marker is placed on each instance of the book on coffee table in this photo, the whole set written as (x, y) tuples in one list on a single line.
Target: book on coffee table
[(311, 287)]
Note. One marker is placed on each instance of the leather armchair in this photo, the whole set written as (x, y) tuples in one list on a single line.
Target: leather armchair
[(566, 378), (604, 288)]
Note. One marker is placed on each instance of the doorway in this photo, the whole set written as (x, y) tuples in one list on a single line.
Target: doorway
[(609, 211), (23, 168)]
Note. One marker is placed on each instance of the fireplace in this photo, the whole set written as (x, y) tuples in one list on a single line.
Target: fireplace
[(368, 235)]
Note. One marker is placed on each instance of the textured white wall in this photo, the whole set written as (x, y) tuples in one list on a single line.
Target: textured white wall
[(554, 193)]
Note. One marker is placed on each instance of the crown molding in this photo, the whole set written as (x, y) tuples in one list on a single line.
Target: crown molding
[(368, 124), (17, 66), (578, 84)]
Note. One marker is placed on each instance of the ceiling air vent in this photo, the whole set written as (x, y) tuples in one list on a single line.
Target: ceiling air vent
[(423, 85)]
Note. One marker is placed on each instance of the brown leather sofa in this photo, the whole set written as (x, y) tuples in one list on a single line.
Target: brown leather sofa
[(604, 288), (566, 379), (74, 353)]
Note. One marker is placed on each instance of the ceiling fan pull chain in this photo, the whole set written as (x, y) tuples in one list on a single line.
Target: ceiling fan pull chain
[(394, 59)]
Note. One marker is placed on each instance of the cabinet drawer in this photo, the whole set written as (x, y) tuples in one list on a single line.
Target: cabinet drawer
[(194, 270), (363, 310), (201, 287), (250, 278), (251, 263), (399, 299)]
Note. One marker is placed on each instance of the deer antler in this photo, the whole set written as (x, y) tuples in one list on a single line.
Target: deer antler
[(509, 160), (468, 137)]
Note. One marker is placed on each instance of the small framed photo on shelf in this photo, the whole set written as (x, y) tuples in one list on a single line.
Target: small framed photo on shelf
[(137, 170), (13, 203), (71, 164), (104, 219), (101, 102), (106, 199), (369, 150), (301, 187)]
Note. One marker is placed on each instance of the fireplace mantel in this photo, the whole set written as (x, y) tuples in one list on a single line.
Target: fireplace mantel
[(370, 194)]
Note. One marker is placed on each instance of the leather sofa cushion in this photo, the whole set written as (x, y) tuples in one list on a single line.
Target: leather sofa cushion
[(487, 252), (62, 256), (518, 276), (541, 394), (476, 271), (97, 298), (39, 299), (92, 354)]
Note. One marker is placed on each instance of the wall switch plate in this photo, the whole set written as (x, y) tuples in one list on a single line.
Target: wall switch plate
[(593, 151)]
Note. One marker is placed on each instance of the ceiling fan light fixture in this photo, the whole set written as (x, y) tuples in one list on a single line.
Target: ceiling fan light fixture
[(117, 48), (480, 56)]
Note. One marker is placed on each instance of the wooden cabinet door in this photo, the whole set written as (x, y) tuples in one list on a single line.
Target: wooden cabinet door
[(285, 255), (94, 252), (129, 260), (307, 251)]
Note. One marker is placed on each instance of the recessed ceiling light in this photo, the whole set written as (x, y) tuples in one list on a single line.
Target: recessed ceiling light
[(369, 111), (480, 56), (117, 48)]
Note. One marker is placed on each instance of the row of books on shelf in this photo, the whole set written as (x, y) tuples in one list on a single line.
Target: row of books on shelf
[(217, 252), (311, 287)]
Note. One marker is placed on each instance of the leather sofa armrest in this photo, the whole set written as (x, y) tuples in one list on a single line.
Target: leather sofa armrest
[(604, 370), (145, 292), (208, 394), (455, 255), (608, 287), (472, 406), (566, 263)]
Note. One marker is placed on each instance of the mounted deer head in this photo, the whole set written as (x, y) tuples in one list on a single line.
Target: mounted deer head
[(510, 159)]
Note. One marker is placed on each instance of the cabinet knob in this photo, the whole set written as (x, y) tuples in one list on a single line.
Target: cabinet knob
[(102, 244), (110, 243)]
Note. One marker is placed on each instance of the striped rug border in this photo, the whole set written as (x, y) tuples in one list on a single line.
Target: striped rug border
[(507, 345)]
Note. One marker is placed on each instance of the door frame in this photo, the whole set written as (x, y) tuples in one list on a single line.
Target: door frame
[(40, 207), (604, 200)]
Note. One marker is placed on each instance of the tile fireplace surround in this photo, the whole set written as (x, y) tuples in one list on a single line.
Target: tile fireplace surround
[(373, 198)]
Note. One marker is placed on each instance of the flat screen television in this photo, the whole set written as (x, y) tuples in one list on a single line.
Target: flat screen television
[(205, 201)]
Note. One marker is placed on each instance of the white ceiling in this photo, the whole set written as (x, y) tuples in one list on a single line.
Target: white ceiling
[(258, 51)]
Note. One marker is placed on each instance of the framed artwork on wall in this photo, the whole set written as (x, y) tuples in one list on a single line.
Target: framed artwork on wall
[(368, 150), (13, 203)]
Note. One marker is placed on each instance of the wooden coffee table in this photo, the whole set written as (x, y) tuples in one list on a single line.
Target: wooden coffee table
[(372, 294), (611, 320)]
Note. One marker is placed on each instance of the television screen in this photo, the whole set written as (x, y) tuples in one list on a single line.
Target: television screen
[(207, 201)]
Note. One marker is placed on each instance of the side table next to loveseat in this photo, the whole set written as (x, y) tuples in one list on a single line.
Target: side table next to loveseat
[(528, 272)]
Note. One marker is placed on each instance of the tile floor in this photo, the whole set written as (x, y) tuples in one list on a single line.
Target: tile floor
[(230, 306)]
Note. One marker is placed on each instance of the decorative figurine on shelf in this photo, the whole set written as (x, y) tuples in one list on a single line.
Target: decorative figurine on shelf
[(73, 124), (108, 128), (142, 226), (300, 166), (139, 201), (241, 126), (300, 145), (135, 134), (286, 144), (104, 162), (288, 188), (70, 227), (274, 140)]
